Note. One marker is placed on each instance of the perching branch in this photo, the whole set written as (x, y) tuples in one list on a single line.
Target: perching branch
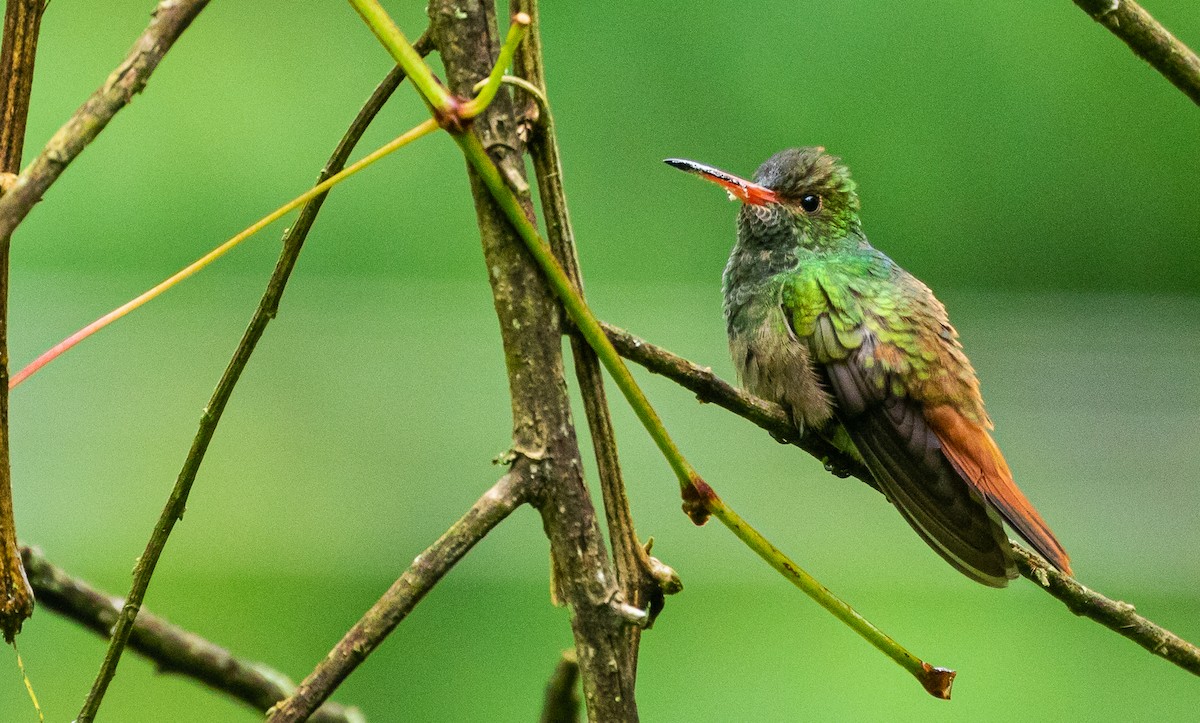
[(378, 622), (293, 241), (1112, 614), (170, 19), (171, 648), (708, 387), (1149, 40), (639, 587), (22, 19), (1115, 615)]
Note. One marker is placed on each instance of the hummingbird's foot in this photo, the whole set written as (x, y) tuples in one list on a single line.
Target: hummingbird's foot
[(793, 436), (833, 469), (505, 458)]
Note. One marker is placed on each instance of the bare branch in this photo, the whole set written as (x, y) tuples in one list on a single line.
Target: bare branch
[(22, 20), (268, 307), (530, 325), (170, 19), (638, 586), (400, 599), (171, 648), (708, 387), (1149, 40), (1115, 615)]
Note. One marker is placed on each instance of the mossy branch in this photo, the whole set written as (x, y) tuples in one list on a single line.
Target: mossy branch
[(543, 435), (642, 583)]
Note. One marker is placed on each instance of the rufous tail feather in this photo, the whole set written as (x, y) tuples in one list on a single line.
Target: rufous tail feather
[(975, 455)]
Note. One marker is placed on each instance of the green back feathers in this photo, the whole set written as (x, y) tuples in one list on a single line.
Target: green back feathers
[(860, 302)]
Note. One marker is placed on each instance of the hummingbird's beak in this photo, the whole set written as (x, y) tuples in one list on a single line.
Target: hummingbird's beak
[(739, 188)]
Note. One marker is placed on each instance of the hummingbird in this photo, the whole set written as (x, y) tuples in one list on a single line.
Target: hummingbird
[(856, 349)]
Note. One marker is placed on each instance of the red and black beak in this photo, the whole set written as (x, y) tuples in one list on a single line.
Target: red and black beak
[(739, 188)]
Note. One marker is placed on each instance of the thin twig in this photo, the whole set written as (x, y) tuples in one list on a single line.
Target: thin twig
[(1118, 616), (22, 19), (171, 648), (382, 618), (638, 586), (1149, 40), (562, 692), (293, 241), (319, 190), (1113, 614), (171, 18)]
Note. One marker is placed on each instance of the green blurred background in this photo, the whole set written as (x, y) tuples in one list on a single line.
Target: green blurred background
[(1013, 155)]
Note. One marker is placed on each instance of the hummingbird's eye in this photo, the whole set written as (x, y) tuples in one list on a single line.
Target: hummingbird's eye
[(810, 202)]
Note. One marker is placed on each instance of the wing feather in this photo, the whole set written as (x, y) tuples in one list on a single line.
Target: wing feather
[(909, 401)]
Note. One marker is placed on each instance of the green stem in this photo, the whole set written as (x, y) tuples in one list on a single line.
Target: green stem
[(935, 680), (435, 94), (491, 86)]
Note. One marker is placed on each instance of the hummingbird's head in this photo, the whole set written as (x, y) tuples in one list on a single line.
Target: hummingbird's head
[(811, 188)]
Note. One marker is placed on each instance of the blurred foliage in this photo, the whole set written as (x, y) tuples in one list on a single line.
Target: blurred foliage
[(1015, 156)]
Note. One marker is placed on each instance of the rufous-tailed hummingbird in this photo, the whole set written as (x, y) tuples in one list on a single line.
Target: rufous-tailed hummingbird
[(856, 349)]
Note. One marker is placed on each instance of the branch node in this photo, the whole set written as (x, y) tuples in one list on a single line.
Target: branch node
[(664, 576), (452, 119), (697, 500)]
